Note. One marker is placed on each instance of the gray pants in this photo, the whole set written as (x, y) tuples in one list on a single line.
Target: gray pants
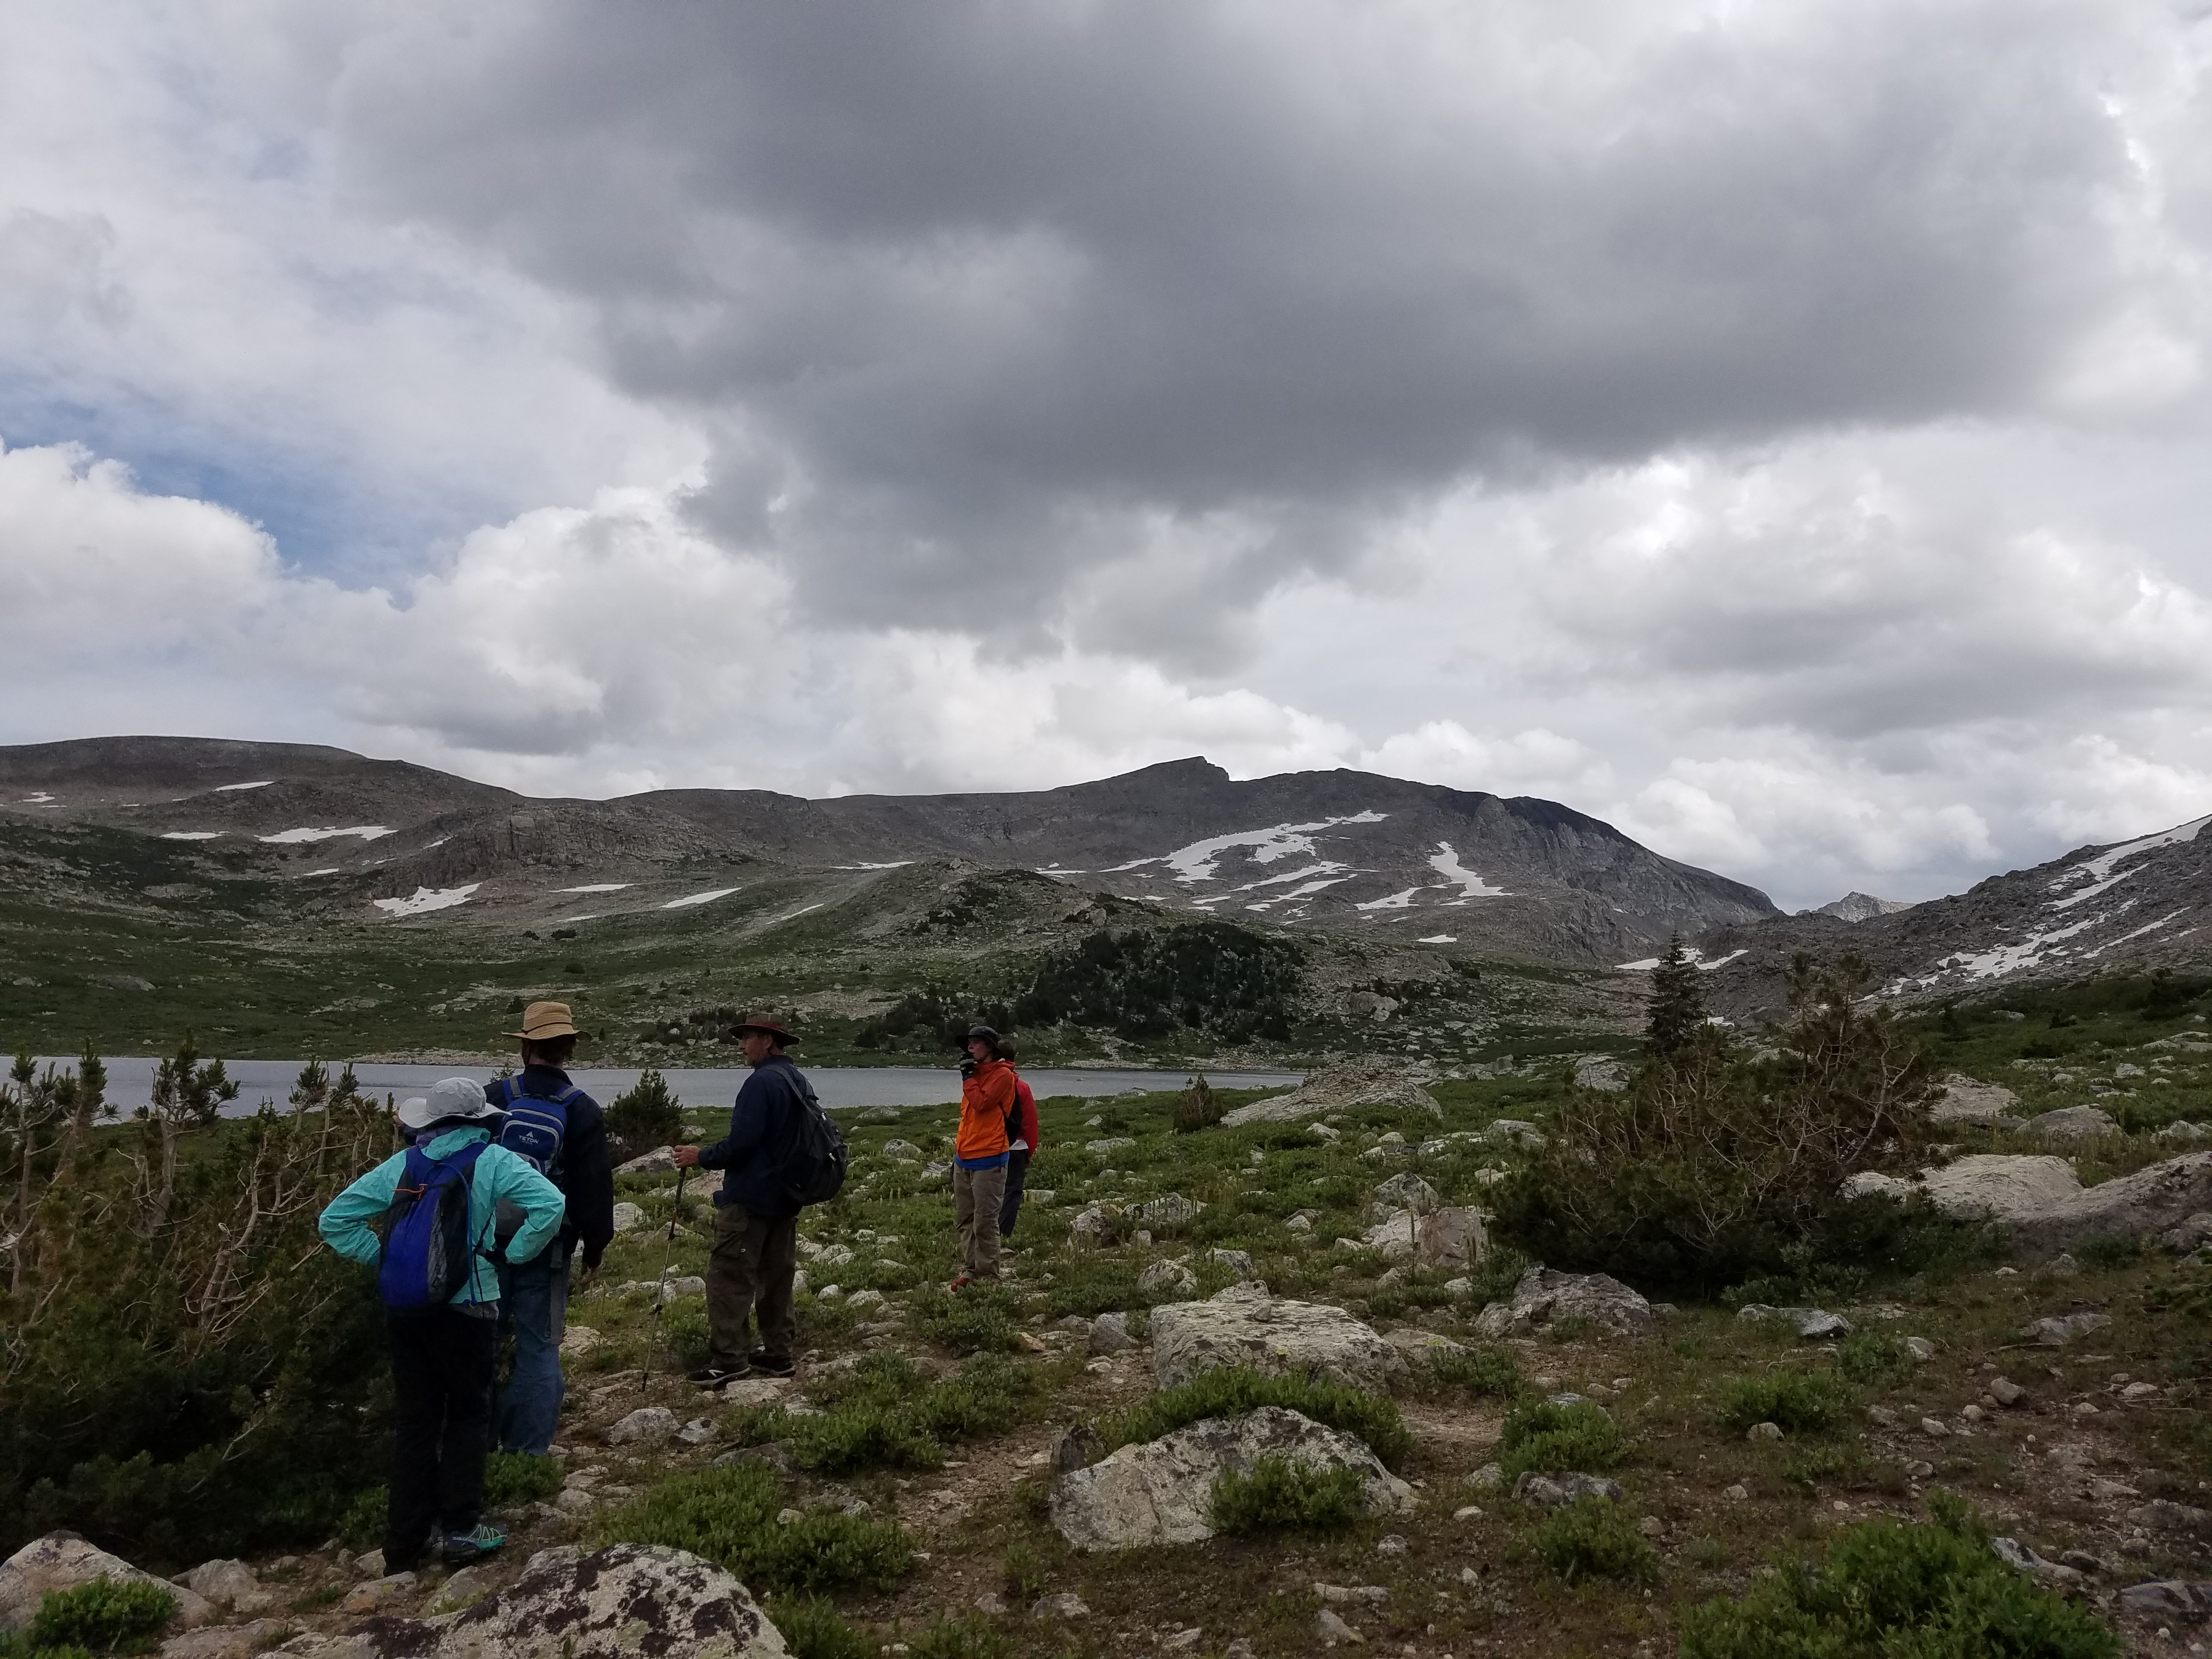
[(977, 1196), (748, 1272)]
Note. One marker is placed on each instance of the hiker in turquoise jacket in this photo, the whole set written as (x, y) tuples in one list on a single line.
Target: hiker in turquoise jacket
[(442, 1357)]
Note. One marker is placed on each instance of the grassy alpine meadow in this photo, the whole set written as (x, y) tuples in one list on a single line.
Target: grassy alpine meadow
[(898, 1489)]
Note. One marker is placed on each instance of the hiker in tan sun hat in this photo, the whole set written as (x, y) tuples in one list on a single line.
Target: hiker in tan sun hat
[(559, 1129)]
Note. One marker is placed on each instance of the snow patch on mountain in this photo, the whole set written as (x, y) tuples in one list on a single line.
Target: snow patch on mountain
[(1199, 861), (189, 835), (690, 899), (297, 837), (425, 899), (232, 788), (1445, 863)]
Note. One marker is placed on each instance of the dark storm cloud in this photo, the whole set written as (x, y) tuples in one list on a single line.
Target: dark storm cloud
[(964, 287)]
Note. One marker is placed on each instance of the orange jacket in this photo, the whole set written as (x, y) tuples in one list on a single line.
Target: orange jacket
[(984, 1100)]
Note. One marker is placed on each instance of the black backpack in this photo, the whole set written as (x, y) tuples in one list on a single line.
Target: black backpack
[(813, 1170)]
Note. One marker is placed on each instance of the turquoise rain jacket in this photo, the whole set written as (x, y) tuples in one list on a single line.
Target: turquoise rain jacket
[(499, 1174)]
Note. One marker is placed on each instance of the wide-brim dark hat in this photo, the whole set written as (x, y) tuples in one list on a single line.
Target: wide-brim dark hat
[(770, 1024)]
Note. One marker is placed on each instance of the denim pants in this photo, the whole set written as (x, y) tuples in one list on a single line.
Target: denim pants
[(533, 1301)]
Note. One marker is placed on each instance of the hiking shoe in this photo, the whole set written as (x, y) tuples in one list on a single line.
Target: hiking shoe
[(713, 1377), (770, 1365), (959, 1283), (463, 1547)]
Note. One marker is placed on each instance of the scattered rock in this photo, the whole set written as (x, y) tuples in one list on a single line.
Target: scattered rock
[(1077, 1448), (1489, 1478), (2182, 1132), (61, 1560), (1109, 1334), (2178, 1598), (1542, 1296), (1161, 1491), (1239, 1262), (861, 1301), (1965, 1100), (1423, 1347), (2170, 1517), (1182, 1639), (579, 1340), (647, 1423), (2056, 1333), (615, 1603), (1764, 1432), (1811, 1323), (1341, 1594), (2193, 1233), (2006, 1392), (1299, 1223), (2073, 1123), (1390, 1543), (1168, 1278), (223, 1641), (1065, 1604), (1367, 1081), (1110, 1143), (1736, 1493), (833, 1256), (1466, 1512), (1407, 1191), (652, 1162), (1881, 1417), (464, 1589), (1553, 1491), (369, 1564), (2020, 1558), (879, 1115), (628, 1217), (229, 1583), (754, 1391), (1920, 1348), (1332, 1629), (697, 1433), (1096, 1226), (377, 1593), (1243, 1325), (902, 1151), (1169, 1212)]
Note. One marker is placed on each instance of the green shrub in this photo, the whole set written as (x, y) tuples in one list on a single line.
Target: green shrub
[(1807, 1466), (2106, 1254), (965, 1638), (969, 1320), (728, 1516), (512, 1478), (1594, 1538), (643, 1116), (883, 1411), (1873, 1360), (107, 1614), (1025, 1571), (361, 1521), (686, 1333), (812, 1629), (1714, 1162), (1542, 1437), (1228, 1391), (1898, 1589), (1487, 1372), (1280, 1496), (1197, 1107), (1492, 1280), (1800, 1401)]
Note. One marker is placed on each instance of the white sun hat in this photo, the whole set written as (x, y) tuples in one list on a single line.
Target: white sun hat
[(449, 1098)]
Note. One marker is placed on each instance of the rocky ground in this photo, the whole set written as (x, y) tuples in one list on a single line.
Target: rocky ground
[(2060, 1389)]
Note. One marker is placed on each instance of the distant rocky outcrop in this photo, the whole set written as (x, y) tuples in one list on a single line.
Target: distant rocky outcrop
[(1860, 907), (1369, 1080)]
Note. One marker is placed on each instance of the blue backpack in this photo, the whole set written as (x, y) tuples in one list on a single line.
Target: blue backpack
[(536, 1130), (429, 1247)]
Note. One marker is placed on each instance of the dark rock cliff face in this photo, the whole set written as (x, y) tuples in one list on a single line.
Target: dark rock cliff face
[(1394, 861), (2127, 906)]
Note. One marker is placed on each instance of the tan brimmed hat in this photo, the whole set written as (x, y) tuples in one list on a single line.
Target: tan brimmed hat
[(543, 1021)]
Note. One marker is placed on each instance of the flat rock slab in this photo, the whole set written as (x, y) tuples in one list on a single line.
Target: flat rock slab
[(61, 1560), (620, 1602), (1369, 1080), (1162, 1491), (1244, 1325), (1812, 1323), (1968, 1100), (1542, 1296), (2073, 1123), (1452, 1235), (2043, 1205)]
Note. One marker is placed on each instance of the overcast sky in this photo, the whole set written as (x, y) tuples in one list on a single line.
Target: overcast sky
[(1780, 430)]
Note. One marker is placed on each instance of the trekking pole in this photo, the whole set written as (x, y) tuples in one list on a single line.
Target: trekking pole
[(660, 1285)]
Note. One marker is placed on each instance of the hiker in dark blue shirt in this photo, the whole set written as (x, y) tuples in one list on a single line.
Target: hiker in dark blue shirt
[(559, 1129), (755, 1252)]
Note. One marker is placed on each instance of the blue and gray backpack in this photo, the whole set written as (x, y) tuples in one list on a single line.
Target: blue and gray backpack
[(429, 1246), (536, 1130)]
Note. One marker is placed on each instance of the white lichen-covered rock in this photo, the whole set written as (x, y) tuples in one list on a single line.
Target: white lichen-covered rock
[(628, 1217), (2043, 1208), (1168, 1212), (660, 1158), (1109, 1334), (1450, 1236), (2074, 1123), (61, 1560), (1239, 1262), (647, 1423), (2000, 1186), (902, 1151), (1369, 1080), (224, 1641), (620, 1603), (1813, 1324), (1542, 1296), (1162, 1491), (1407, 1191), (1967, 1100), (1244, 1325)]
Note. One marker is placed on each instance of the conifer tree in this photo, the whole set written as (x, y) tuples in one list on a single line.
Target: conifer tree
[(1677, 1011)]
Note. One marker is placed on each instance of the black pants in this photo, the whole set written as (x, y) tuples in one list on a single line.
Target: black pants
[(441, 1370), (1017, 1175)]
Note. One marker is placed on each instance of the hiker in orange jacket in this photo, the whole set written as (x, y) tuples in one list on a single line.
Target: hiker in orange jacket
[(979, 1154)]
